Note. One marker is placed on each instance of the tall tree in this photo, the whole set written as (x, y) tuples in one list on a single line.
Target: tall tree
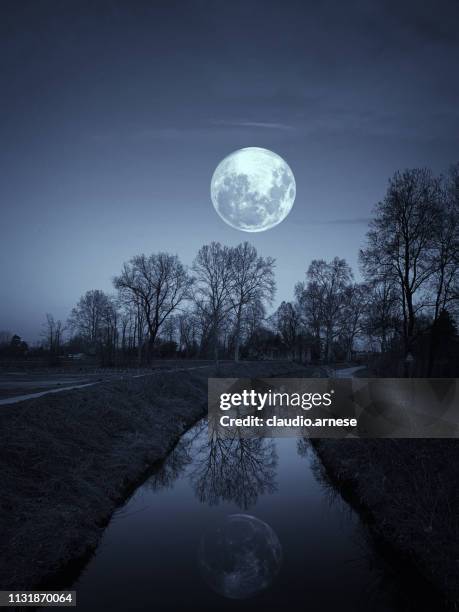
[(213, 269), (381, 317), (252, 281), (286, 322), (86, 318), (444, 257), (254, 315), (95, 320), (310, 305), (352, 316), (328, 283), (159, 284), (188, 333), (53, 334), (400, 240)]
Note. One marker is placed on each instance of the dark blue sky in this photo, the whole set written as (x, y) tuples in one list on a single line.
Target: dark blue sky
[(115, 114)]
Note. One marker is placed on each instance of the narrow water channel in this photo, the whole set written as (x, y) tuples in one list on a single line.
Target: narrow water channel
[(147, 559)]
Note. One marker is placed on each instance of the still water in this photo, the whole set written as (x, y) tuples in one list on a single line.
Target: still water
[(148, 557)]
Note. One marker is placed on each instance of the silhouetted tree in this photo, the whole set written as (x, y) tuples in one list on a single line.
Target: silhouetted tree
[(286, 322), (352, 316), (159, 284), (401, 239), (53, 335), (323, 298), (252, 280), (444, 256), (381, 316), (95, 320), (213, 269)]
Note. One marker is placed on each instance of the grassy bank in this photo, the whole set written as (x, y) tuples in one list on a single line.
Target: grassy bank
[(408, 493), (68, 460)]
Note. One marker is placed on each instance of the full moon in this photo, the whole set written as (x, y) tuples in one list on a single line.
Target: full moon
[(253, 189), (240, 557)]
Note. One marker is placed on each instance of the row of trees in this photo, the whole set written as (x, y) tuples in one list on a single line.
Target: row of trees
[(161, 306), (409, 298), (327, 313), (406, 304)]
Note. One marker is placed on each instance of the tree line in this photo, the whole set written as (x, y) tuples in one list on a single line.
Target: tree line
[(161, 308), (403, 310), (407, 305)]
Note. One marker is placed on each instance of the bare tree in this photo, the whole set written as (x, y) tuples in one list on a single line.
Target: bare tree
[(158, 283), (53, 336), (94, 319), (132, 325), (444, 256), (188, 333), (235, 470), (444, 259), (328, 283), (87, 316), (252, 280), (352, 316), (170, 329), (287, 323), (202, 315), (381, 317), (254, 315), (213, 270), (400, 241), (108, 344), (309, 302)]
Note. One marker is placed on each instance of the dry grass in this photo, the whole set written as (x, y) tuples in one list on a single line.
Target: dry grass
[(67, 460), (409, 492)]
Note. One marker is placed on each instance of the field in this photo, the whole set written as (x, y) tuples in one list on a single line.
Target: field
[(22, 382)]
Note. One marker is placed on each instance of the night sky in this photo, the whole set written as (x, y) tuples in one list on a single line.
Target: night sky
[(115, 114)]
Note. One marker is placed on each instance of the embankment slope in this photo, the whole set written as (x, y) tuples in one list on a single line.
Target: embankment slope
[(68, 460), (407, 490)]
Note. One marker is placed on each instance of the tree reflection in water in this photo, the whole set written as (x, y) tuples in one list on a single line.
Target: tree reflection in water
[(234, 470)]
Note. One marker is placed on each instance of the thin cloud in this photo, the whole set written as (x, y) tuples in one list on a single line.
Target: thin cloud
[(183, 131), (268, 125), (348, 221)]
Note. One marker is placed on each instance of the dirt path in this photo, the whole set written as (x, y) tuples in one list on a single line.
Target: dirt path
[(21, 398), (346, 372)]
